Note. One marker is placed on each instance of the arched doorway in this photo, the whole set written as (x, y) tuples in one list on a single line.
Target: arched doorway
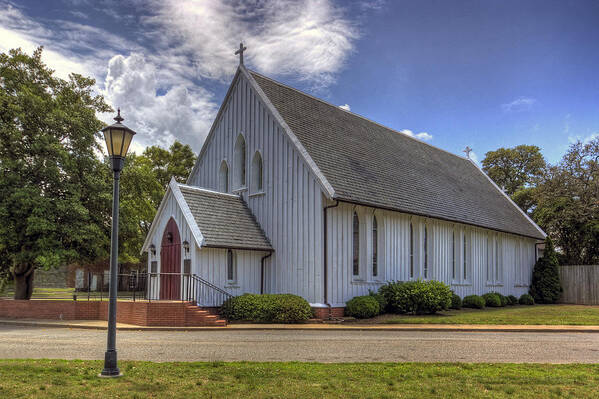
[(170, 262)]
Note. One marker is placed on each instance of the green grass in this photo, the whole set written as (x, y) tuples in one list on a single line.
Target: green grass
[(525, 315), (76, 379)]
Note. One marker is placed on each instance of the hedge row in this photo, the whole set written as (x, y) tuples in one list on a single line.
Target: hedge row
[(267, 308)]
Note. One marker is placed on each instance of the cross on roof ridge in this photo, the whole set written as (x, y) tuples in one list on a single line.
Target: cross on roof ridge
[(240, 52)]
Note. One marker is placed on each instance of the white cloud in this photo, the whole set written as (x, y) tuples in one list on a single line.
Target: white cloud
[(519, 105), (181, 112), (584, 139), (309, 39), (474, 158), (424, 136), (345, 107)]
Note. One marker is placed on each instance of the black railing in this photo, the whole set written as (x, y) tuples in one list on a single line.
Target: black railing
[(185, 287), (138, 286)]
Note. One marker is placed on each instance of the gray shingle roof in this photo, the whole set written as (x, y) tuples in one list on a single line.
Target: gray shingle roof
[(224, 220), (373, 165)]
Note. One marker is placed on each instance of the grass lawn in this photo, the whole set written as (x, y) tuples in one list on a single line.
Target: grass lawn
[(527, 315), (56, 294), (76, 379)]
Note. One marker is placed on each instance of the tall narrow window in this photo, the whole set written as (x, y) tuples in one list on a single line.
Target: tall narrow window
[(465, 256), (256, 185), (375, 248), (453, 265), (239, 162), (411, 251), (231, 267), (497, 263), (223, 177), (425, 251), (356, 245)]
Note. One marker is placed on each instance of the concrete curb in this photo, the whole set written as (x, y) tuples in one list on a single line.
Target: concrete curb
[(318, 327)]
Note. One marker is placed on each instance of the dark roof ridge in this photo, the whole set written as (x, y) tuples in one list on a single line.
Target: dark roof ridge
[(359, 116)]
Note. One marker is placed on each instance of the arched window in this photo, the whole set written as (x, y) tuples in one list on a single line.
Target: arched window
[(453, 268), (425, 251), (411, 251), (239, 162), (256, 185), (223, 177), (356, 245), (465, 256), (231, 267), (375, 248)]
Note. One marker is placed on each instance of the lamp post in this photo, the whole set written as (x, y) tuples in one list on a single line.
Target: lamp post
[(118, 137)]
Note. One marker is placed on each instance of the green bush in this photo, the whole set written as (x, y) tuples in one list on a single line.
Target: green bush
[(545, 286), (512, 300), (416, 297), (267, 308), (526, 299), (492, 300), (456, 301), (362, 307), (380, 298), (504, 300), (473, 301)]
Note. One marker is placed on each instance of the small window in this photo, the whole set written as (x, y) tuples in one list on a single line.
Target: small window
[(497, 260), (375, 248), (187, 266), (239, 162), (356, 245), (154, 266), (231, 267), (425, 251), (257, 185), (411, 251), (453, 265), (465, 256), (223, 177)]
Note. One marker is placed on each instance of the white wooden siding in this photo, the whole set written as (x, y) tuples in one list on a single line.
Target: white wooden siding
[(290, 207), (394, 260)]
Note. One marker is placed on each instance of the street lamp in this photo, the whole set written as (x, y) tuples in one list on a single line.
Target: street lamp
[(118, 137)]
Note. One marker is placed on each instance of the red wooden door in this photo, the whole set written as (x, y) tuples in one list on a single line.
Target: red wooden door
[(170, 263)]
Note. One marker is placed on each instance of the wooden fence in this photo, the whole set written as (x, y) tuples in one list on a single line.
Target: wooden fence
[(580, 284)]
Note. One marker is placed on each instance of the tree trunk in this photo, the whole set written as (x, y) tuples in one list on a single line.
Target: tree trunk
[(23, 276)]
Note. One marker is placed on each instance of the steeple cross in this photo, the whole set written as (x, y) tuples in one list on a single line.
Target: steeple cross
[(467, 150), (240, 52)]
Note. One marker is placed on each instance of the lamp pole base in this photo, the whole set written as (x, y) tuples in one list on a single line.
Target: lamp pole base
[(110, 367)]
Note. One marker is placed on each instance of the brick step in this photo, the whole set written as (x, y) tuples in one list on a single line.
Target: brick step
[(196, 316)]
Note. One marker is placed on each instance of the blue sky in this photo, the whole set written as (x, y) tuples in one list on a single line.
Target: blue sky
[(454, 73)]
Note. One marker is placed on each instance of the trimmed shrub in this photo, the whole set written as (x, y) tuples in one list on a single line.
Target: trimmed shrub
[(456, 301), (362, 307), (267, 308), (380, 298), (416, 297), (473, 301), (526, 299), (504, 300), (492, 300), (512, 300), (545, 286)]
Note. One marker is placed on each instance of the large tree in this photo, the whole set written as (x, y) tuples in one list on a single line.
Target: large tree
[(175, 162), (567, 204), (54, 203), (516, 170)]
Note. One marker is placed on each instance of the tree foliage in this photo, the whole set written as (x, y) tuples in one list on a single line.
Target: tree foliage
[(175, 162), (567, 204), (515, 170), (545, 286), (52, 197)]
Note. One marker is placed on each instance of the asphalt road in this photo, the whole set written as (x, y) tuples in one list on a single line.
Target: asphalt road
[(317, 346)]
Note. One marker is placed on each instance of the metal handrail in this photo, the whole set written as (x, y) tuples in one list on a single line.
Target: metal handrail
[(187, 288)]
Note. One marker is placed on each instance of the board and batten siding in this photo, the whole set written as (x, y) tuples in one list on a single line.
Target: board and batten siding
[(289, 208), (516, 255)]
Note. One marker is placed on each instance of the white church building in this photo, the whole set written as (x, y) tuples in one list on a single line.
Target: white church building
[(291, 194)]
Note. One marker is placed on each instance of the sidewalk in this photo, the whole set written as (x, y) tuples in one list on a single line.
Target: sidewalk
[(102, 325)]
